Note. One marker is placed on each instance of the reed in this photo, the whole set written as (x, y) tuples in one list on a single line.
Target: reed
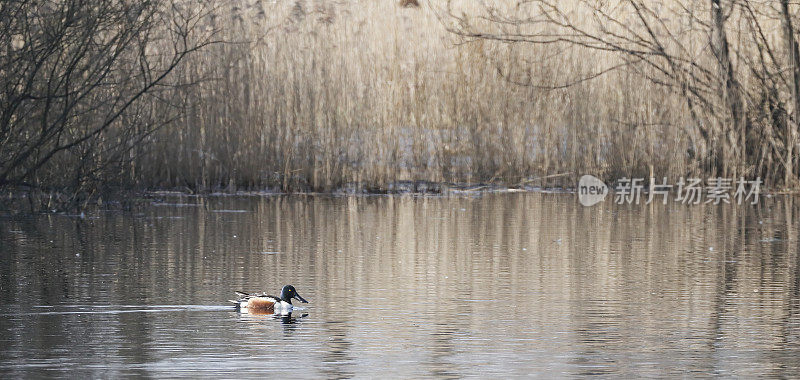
[(319, 96), (313, 95)]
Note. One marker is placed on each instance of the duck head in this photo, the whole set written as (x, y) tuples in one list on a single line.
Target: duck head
[(288, 292)]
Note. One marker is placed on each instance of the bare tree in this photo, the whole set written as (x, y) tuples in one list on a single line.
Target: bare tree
[(794, 65), (674, 46), (81, 82)]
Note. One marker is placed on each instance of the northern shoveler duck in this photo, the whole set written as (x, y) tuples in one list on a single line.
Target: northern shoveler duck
[(264, 303)]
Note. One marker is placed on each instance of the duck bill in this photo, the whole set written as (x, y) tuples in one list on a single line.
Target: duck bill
[(301, 299)]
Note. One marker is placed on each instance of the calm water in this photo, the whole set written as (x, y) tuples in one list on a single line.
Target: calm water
[(503, 284)]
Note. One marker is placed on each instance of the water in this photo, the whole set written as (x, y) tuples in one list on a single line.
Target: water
[(501, 284)]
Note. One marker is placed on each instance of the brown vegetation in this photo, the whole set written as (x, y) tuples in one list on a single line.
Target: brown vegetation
[(732, 66), (82, 85), (378, 96), (316, 95)]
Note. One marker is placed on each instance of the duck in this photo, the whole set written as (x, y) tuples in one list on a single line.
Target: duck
[(263, 303)]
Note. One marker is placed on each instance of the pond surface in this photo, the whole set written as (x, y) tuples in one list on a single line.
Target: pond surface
[(499, 284)]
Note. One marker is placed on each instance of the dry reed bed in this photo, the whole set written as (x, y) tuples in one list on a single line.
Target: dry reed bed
[(319, 95)]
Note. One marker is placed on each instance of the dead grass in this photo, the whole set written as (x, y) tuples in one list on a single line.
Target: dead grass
[(319, 95)]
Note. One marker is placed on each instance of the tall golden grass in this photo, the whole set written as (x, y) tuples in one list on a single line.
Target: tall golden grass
[(323, 95)]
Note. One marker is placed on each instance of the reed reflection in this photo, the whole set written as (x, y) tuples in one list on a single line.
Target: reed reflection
[(501, 284)]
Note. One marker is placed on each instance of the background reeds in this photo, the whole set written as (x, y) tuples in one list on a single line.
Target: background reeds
[(318, 95), (313, 95)]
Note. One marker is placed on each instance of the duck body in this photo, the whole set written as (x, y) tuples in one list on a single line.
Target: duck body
[(263, 303), (260, 302)]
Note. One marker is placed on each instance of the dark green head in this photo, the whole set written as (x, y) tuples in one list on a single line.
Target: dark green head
[(288, 292)]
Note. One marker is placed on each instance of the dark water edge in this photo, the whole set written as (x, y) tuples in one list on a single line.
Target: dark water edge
[(21, 202)]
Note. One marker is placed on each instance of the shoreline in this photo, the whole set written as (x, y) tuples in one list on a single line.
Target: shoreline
[(18, 202)]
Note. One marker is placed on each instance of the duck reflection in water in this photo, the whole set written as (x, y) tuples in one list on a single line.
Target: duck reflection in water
[(288, 319), (285, 318)]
